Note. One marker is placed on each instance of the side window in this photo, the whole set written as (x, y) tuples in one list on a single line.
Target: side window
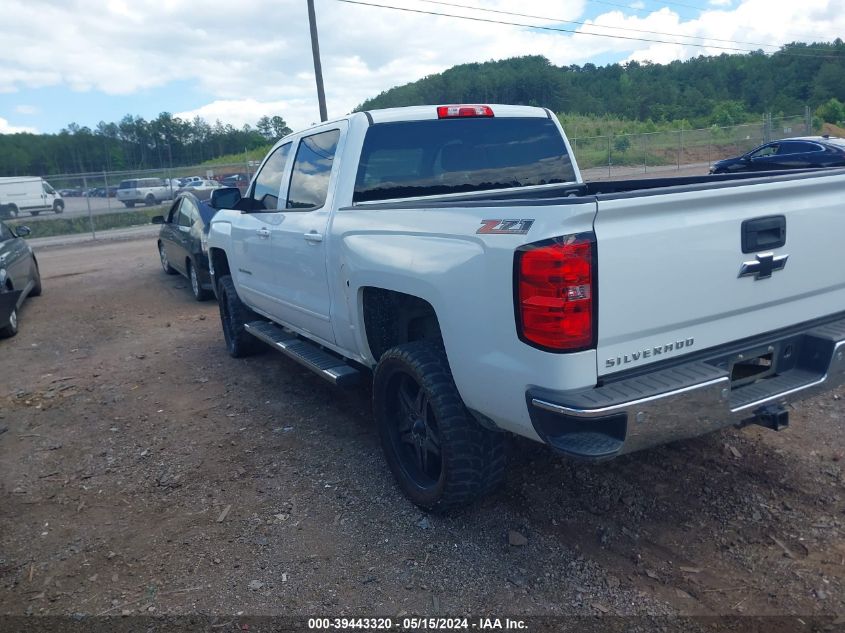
[(768, 150), (173, 213), (269, 179), (193, 211), (802, 147), (185, 213), (312, 168)]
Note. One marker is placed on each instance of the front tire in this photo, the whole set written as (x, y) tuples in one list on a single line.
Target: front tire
[(200, 293), (165, 263), (11, 327), (233, 316), (36, 289), (58, 206), (441, 457), (150, 200)]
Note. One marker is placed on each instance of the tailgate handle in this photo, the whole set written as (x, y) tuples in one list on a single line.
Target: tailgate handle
[(763, 234)]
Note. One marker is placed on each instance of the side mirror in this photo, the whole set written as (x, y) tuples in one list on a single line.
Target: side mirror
[(157, 219), (22, 231), (225, 198)]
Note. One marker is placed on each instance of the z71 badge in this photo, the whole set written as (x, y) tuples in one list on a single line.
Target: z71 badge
[(504, 227)]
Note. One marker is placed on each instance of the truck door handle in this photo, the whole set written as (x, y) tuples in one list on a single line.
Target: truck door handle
[(313, 236), (263, 232)]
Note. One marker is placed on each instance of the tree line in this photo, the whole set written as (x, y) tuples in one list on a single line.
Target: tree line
[(715, 90), (132, 143)]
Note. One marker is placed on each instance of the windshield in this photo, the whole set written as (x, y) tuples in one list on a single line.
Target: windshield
[(435, 157)]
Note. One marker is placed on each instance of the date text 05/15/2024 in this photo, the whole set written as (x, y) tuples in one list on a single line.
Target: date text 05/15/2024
[(417, 624)]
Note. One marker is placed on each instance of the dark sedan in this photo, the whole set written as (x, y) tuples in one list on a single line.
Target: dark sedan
[(183, 242), (19, 276), (788, 153)]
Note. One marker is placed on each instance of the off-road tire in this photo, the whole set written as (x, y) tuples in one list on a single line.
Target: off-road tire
[(233, 316), (472, 458)]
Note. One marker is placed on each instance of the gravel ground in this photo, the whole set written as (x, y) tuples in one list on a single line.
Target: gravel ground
[(143, 471)]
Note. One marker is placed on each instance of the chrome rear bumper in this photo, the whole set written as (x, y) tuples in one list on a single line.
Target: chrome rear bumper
[(690, 399)]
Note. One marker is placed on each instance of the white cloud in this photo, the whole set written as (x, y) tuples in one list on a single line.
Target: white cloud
[(27, 109), (254, 58), (752, 25), (239, 112), (8, 128), (639, 5)]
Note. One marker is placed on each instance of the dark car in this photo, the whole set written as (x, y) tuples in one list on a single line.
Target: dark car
[(788, 153), (183, 242), (19, 276)]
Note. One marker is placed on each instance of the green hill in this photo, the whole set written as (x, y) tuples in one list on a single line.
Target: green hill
[(721, 90)]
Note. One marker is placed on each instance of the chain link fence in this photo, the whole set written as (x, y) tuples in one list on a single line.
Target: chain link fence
[(685, 151), (95, 202), (65, 204)]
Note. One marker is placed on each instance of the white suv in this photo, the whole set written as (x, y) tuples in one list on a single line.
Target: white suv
[(148, 191)]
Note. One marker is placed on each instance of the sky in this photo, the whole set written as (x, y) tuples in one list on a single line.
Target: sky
[(86, 61)]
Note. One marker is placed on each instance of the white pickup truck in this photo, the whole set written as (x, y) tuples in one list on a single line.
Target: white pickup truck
[(455, 255)]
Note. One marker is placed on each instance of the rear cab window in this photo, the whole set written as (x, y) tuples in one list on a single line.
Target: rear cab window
[(436, 157)]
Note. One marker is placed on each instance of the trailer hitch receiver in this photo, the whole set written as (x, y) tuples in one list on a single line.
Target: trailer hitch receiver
[(772, 416)]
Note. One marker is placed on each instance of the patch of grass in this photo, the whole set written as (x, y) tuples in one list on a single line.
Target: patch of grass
[(80, 224), (238, 160)]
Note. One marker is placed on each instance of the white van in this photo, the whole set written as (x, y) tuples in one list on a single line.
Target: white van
[(28, 193)]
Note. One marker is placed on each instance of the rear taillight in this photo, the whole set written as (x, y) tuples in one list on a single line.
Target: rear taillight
[(463, 111), (556, 293)]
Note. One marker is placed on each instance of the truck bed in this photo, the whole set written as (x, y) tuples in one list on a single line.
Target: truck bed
[(557, 194)]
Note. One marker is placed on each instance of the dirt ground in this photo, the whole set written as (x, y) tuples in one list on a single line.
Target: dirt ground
[(143, 471)]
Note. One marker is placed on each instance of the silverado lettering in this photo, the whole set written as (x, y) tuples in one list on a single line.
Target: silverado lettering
[(648, 353)]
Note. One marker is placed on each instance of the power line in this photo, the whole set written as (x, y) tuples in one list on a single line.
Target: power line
[(599, 26), (573, 31)]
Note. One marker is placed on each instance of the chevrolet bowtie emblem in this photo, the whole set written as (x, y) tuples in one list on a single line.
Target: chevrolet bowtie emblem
[(766, 264)]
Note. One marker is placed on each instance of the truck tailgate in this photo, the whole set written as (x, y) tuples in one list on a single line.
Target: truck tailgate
[(669, 265)]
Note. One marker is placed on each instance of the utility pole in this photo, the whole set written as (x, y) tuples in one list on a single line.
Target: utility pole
[(318, 68)]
